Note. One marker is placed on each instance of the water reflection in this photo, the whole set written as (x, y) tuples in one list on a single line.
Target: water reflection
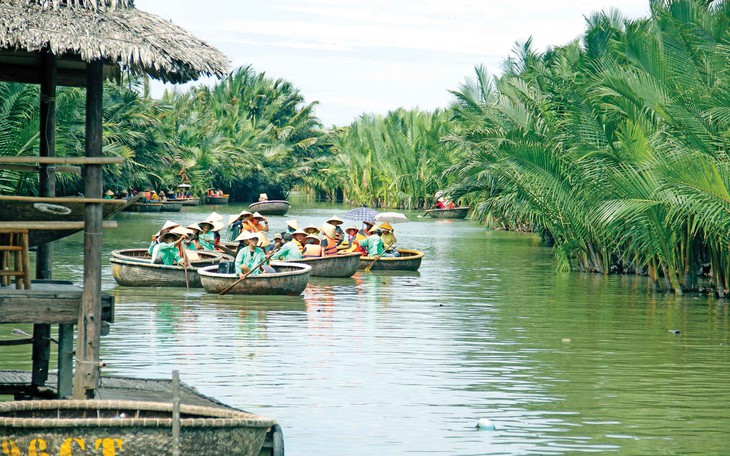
[(397, 362)]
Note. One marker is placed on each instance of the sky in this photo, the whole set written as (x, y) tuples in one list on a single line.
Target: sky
[(374, 56)]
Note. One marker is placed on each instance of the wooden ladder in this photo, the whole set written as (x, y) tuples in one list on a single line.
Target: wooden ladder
[(14, 246)]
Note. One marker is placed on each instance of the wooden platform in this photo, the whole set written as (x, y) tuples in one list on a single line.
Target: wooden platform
[(151, 390)]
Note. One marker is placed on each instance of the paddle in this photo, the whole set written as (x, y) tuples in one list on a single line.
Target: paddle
[(185, 260), (227, 250), (268, 256), (377, 258)]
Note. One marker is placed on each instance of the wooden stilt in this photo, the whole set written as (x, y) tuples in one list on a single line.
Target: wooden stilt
[(65, 360), (47, 187), (86, 377)]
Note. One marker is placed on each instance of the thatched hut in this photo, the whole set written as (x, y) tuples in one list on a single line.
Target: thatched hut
[(80, 43)]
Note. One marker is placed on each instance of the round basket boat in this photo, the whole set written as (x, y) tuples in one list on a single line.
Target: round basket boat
[(340, 265), (127, 427), (409, 260), (133, 268), (270, 207), (290, 279)]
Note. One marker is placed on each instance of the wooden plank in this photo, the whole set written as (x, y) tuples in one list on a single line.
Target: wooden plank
[(61, 226), (46, 307), (37, 169), (65, 361), (61, 199), (65, 160)]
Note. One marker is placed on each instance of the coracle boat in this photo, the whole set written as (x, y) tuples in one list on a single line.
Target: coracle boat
[(66, 213), (192, 201), (340, 265), (144, 207), (129, 427), (455, 213), (409, 260), (171, 206), (290, 279), (270, 207), (133, 268), (217, 199)]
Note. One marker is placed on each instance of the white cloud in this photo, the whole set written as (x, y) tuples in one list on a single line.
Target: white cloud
[(376, 55)]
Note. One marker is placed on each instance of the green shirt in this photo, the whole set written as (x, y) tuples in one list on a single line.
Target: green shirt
[(288, 252), (166, 253), (207, 240), (250, 259), (373, 245)]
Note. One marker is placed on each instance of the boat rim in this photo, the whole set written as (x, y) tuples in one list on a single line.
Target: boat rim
[(301, 269)]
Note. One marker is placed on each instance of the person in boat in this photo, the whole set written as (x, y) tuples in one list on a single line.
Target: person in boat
[(312, 247), (168, 226), (153, 197), (277, 244), (263, 197), (330, 239), (291, 227), (440, 204), (192, 242), (337, 222), (146, 196), (366, 227), (171, 195), (109, 195), (373, 245), (166, 251), (239, 224), (251, 258), (206, 237), (311, 229), (390, 242), (259, 222), (292, 250)]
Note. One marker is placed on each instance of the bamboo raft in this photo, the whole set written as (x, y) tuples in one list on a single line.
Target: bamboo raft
[(409, 260), (455, 213), (270, 207), (340, 265), (290, 279), (133, 268)]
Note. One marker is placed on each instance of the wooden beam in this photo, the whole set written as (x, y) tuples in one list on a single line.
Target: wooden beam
[(65, 160), (46, 306), (86, 377), (37, 169), (60, 226)]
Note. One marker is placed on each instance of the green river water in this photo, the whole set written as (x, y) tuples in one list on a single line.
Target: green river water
[(406, 363)]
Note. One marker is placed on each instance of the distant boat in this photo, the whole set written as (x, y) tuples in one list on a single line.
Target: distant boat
[(340, 265), (144, 207), (217, 199), (290, 279), (409, 260), (52, 218), (455, 213), (171, 206), (192, 201), (270, 207)]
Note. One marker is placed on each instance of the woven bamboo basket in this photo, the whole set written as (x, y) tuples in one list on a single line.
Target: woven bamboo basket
[(126, 427)]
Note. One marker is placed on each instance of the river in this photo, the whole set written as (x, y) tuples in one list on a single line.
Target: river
[(407, 363)]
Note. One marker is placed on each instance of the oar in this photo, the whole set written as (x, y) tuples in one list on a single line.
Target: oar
[(268, 256), (377, 258), (424, 214), (227, 250), (185, 259)]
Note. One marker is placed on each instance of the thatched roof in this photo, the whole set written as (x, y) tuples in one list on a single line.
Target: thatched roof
[(108, 29)]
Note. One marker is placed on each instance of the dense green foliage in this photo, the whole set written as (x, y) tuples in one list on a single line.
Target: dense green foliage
[(392, 161), (614, 146), (247, 134)]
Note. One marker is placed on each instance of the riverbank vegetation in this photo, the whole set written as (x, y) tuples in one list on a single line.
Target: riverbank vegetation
[(612, 147)]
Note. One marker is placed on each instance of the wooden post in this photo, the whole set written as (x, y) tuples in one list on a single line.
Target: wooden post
[(65, 360), (47, 187), (86, 377), (175, 413)]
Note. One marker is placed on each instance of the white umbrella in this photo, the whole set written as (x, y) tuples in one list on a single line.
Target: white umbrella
[(391, 217)]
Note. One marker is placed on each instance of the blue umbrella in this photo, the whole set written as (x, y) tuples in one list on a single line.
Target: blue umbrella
[(361, 214)]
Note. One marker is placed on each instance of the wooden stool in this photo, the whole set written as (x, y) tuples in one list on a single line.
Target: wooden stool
[(15, 241)]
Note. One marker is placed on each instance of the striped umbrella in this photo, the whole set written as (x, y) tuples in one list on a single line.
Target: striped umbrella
[(361, 214)]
